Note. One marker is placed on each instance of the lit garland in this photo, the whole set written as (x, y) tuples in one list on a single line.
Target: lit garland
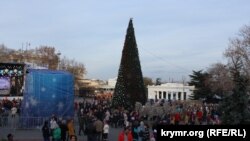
[(8, 69)]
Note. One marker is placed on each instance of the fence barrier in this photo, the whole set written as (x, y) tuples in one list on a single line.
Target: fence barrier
[(25, 122)]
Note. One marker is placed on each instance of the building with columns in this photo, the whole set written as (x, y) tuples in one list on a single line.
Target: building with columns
[(170, 91)]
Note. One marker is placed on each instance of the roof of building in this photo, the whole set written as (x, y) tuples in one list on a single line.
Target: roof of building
[(172, 85)]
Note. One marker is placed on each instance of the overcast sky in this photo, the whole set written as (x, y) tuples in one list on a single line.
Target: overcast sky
[(174, 37)]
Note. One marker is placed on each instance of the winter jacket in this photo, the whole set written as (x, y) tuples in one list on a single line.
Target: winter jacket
[(129, 136), (57, 133)]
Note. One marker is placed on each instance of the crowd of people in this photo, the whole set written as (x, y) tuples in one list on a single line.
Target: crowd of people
[(186, 113), (59, 130), (95, 117), (8, 107)]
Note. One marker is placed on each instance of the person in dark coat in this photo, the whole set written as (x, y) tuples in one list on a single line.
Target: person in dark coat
[(10, 137), (146, 133), (90, 131), (64, 130), (46, 131), (134, 131), (81, 122)]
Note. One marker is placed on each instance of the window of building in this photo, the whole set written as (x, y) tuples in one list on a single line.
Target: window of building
[(174, 96), (159, 95), (164, 95), (169, 96), (179, 95), (185, 96)]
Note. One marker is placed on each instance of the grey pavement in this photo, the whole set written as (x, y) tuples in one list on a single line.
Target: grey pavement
[(36, 133)]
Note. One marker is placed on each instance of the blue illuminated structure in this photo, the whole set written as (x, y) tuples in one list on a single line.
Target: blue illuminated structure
[(47, 93)]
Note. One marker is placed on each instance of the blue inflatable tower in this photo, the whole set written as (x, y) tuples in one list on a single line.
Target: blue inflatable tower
[(47, 93)]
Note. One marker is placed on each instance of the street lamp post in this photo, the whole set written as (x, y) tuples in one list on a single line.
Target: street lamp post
[(58, 61)]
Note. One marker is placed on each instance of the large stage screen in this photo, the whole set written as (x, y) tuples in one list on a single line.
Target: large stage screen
[(11, 79), (5, 85)]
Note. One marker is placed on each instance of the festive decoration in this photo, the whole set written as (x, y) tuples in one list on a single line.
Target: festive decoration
[(47, 93), (11, 69), (129, 88)]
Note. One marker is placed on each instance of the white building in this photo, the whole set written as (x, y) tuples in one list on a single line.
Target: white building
[(109, 87), (32, 65), (112, 82), (170, 91)]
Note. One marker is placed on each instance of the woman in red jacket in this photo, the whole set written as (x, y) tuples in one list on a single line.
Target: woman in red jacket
[(125, 135)]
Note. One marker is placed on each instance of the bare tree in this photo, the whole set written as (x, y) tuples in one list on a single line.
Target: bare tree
[(219, 79), (76, 68), (4, 53), (47, 56), (147, 81), (239, 51)]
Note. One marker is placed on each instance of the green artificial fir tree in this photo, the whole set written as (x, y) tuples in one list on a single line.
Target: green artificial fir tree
[(129, 88)]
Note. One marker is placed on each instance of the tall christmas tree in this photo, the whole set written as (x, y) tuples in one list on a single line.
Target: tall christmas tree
[(129, 88)]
